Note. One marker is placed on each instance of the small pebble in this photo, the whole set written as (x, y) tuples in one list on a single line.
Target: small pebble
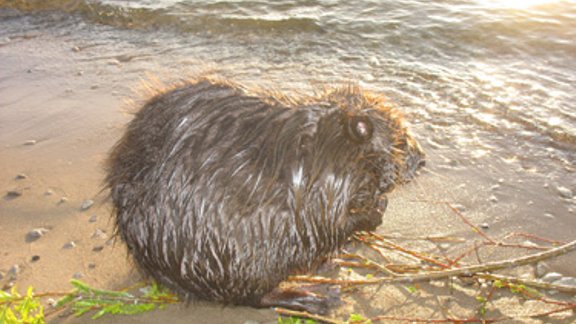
[(35, 234), (566, 281), (98, 248), (13, 272), (14, 193), (63, 200), (551, 276), (541, 269), (99, 234), (93, 219), (80, 73), (35, 258), (48, 192), (51, 302), (30, 142), (251, 322), (8, 285), (94, 87), (493, 199), (78, 275), (91, 265), (21, 176), (565, 192), (530, 203), (548, 215), (69, 245), (501, 181), (484, 226), (495, 187), (76, 49), (86, 204)]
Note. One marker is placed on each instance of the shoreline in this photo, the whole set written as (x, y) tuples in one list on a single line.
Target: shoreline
[(72, 109)]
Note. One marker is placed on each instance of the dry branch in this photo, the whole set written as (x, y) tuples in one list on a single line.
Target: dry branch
[(435, 275), (531, 283)]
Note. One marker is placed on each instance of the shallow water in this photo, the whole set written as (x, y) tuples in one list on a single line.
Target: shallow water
[(496, 76), (488, 86)]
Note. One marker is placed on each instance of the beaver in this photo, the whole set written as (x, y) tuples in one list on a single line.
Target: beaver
[(220, 192)]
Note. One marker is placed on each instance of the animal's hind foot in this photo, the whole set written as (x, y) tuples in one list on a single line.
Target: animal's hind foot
[(301, 300)]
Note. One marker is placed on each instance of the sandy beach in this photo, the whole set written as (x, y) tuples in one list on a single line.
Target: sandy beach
[(60, 114)]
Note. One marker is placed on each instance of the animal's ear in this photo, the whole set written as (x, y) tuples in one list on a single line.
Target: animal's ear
[(358, 128)]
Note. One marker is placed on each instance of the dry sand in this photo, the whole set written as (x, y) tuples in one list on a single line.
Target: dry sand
[(73, 110)]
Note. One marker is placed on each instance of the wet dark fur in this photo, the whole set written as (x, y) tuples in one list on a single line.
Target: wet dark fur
[(220, 194)]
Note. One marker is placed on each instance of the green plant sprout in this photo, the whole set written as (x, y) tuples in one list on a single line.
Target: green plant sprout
[(20, 309), (84, 299)]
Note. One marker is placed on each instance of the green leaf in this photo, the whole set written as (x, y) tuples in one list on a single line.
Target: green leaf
[(83, 287), (533, 291), (499, 284), (5, 296), (106, 310), (7, 316), (66, 299), (412, 289), (81, 310), (357, 318), (80, 285), (516, 288), (483, 310), (294, 320)]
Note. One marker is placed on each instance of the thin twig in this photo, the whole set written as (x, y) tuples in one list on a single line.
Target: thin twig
[(447, 320), (554, 311), (533, 237), (288, 312), (531, 283), (435, 275), (382, 242), (380, 267)]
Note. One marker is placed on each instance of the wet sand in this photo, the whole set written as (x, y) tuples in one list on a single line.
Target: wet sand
[(59, 116)]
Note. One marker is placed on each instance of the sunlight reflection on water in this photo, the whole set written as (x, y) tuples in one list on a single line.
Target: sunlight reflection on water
[(519, 3)]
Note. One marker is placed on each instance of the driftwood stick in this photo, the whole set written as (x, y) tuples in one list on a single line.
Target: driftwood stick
[(434, 275), (388, 319), (383, 243)]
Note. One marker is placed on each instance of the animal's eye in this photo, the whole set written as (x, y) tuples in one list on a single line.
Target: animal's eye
[(359, 128)]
